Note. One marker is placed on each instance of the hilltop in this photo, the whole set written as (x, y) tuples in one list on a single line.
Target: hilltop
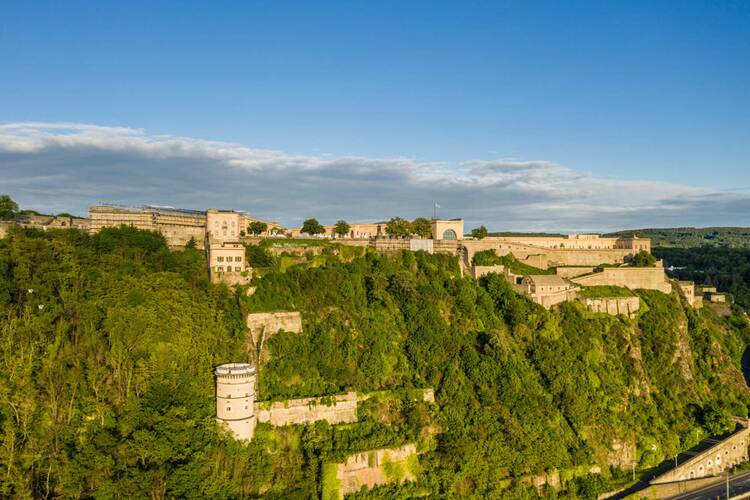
[(111, 340)]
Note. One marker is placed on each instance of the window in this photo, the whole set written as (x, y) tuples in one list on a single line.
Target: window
[(449, 234), (238, 259), (220, 268), (238, 268), (229, 408), (220, 259)]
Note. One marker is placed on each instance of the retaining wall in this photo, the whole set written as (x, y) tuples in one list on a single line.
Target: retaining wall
[(722, 455), (343, 409), (479, 271), (626, 306), (371, 468), (270, 323), (652, 278)]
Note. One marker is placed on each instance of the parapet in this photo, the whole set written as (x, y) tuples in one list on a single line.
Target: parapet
[(235, 369)]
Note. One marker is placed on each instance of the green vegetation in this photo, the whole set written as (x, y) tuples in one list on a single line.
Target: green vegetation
[(398, 227), (603, 291), (643, 259), (107, 388), (479, 232), (8, 208), (490, 258), (692, 237), (257, 227), (341, 228), (728, 269), (312, 227), (421, 227)]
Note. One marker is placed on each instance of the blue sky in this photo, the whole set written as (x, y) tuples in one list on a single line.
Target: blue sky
[(656, 94)]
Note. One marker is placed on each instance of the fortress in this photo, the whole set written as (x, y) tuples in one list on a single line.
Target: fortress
[(578, 260)]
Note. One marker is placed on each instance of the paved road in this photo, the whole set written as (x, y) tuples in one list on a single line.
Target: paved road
[(738, 484)]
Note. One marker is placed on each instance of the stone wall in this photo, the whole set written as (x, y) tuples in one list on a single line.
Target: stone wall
[(668, 490), (549, 299), (339, 409), (627, 306), (270, 323), (652, 278), (574, 271), (720, 456), (375, 468), (4, 228), (479, 271), (544, 258)]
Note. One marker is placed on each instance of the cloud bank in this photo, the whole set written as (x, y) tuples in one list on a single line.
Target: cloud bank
[(54, 167)]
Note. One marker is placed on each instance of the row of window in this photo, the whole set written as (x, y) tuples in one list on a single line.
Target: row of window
[(216, 223), (220, 269), (220, 258)]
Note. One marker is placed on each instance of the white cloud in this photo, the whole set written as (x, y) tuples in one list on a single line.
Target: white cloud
[(69, 166)]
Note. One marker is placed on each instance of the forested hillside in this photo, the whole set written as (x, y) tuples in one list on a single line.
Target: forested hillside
[(693, 237), (109, 342), (728, 269)]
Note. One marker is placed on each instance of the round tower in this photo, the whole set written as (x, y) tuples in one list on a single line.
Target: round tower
[(235, 398)]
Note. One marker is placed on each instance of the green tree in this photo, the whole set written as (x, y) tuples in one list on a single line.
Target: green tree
[(479, 232), (8, 207), (398, 227), (191, 244), (341, 228), (257, 227), (421, 227), (643, 259), (313, 227)]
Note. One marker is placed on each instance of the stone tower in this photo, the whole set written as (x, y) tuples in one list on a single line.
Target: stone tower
[(235, 398)]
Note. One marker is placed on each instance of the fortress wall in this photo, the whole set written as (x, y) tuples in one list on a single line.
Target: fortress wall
[(547, 300), (479, 271), (371, 468), (652, 278), (304, 411), (270, 323), (573, 272), (614, 305), (587, 257), (391, 244), (719, 457), (544, 258)]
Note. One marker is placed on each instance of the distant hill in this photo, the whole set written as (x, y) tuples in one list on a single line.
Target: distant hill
[(690, 237)]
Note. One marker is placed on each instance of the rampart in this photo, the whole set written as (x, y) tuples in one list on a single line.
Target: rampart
[(627, 306), (375, 468), (652, 278), (479, 271), (574, 271), (542, 253), (270, 323), (719, 456), (339, 409)]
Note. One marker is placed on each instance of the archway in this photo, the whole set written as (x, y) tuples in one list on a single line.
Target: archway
[(449, 234)]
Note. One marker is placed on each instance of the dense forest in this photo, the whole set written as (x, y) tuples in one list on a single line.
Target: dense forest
[(109, 343), (728, 269), (692, 237)]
